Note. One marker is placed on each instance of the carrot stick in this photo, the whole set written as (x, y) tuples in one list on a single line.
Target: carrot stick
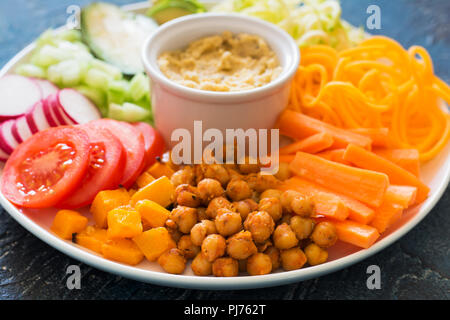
[(327, 204), (387, 214), (408, 159), (358, 211), (336, 155), (313, 144), (404, 196), (366, 186), (397, 175), (299, 126), (360, 235), (379, 136), (288, 158)]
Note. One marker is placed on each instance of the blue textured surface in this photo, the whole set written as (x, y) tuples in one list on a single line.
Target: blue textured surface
[(416, 267)]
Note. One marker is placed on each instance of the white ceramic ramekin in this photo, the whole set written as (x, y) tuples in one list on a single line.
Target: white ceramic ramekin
[(176, 106)]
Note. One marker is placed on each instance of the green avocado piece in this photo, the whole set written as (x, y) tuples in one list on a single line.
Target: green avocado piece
[(116, 36), (166, 10)]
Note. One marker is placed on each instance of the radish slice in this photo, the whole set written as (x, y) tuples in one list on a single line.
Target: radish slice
[(49, 114), (77, 107), (17, 96), (3, 156), (57, 111), (15, 132), (7, 141), (47, 87), (22, 127), (37, 118)]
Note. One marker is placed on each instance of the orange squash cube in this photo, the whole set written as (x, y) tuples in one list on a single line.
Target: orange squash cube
[(158, 170), (91, 238), (152, 213), (105, 201), (154, 242), (68, 222), (161, 191), (124, 222), (144, 180), (122, 250)]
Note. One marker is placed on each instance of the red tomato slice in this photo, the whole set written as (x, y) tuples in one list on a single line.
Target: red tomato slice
[(46, 168), (154, 142), (134, 144), (105, 171)]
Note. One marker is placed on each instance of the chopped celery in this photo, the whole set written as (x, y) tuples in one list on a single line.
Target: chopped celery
[(31, 70), (111, 70), (97, 79), (139, 87), (128, 112), (117, 91)]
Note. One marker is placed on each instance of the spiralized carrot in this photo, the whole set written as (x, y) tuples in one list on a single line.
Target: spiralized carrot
[(375, 85)]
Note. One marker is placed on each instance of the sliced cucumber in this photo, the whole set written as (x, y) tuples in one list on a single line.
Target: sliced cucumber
[(128, 112), (116, 36), (166, 10)]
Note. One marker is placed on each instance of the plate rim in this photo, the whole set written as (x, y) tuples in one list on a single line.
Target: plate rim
[(210, 282)]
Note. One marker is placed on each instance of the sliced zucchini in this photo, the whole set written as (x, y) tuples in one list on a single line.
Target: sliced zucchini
[(166, 10), (116, 36)]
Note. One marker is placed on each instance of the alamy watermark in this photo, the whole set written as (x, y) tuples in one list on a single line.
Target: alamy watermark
[(73, 21), (74, 279), (250, 146), (374, 280), (373, 22)]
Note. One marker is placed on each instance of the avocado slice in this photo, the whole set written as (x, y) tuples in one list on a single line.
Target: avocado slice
[(116, 36), (166, 10)]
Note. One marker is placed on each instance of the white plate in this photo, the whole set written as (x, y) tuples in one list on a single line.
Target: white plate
[(436, 174)]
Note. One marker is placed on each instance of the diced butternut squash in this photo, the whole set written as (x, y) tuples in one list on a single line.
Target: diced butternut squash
[(131, 192), (154, 242), (144, 179), (105, 201), (91, 238), (159, 170), (68, 222), (122, 250), (152, 213), (124, 222), (161, 191)]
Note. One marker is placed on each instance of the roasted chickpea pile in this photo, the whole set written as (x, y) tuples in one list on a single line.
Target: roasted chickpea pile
[(230, 219)]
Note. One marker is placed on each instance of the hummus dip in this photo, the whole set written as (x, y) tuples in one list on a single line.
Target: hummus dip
[(224, 62)]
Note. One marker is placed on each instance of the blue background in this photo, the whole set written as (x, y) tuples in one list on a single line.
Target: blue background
[(416, 267)]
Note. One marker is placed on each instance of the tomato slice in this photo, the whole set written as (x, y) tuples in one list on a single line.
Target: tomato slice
[(154, 142), (46, 168), (105, 171), (134, 144)]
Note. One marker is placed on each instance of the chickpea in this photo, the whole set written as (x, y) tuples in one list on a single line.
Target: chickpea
[(201, 266), (173, 261), (284, 237), (238, 190), (263, 246), (261, 182), (234, 174), (216, 171), (244, 207), (187, 247), (171, 225), (303, 206), (274, 255), (315, 254), (183, 176), (286, 200), (225, 267), (260, 224), (201, 214), (175, 234), (292, 259), (213, 247), (198, 173), (285, 218), (240, 246), (228, 222), (209, 189), (187, 195), (248, 165), (216, 204), (184, 217), (259, 264), (272, 206), (271, 193), (302, 227), (324, 234), (201, 230), (284, 172)]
